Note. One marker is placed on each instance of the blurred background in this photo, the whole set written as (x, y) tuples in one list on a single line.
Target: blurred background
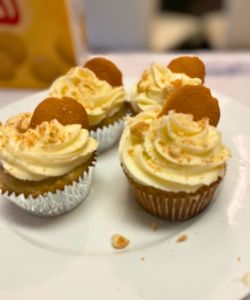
[(42, 39), (167, 25)]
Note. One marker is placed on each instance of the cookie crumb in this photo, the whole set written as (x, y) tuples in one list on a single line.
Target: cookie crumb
[(119, 241), (131, 151), (142, 258), (23, 125), (176, 83), (154, 226), (182, 238), (238, 258), (138, 129)]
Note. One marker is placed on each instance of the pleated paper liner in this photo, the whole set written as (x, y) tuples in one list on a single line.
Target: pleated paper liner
[(58, 202), (173, 206)]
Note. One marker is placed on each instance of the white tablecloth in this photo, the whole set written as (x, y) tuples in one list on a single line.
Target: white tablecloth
[(228, 73)]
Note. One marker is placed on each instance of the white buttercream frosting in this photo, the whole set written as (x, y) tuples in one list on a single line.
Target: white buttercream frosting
[(173, 152), (51, 149), (155, 86), (99, 98)]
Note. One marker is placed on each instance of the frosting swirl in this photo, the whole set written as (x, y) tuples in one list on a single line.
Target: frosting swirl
[(172, 153), (51, 149), (98, 97), (155, 86)]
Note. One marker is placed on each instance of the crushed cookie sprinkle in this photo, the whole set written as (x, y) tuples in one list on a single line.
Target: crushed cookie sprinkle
[(182, 238), (119, 242)]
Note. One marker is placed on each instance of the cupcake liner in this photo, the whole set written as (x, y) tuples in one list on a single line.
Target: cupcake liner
[(59, 202), (173, 206), (108, 135)]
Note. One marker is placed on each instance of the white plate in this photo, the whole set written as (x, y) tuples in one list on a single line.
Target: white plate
[(71, 257)]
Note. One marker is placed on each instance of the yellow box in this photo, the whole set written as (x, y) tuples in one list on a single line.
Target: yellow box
[(39, 40)]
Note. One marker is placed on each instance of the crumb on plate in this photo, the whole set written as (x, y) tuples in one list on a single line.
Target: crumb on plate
[(182, 238), (119, 241)]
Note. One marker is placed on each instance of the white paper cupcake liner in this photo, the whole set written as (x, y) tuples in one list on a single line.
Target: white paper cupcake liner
[(108, 135), (177, 208), (59, 202), (173, 206)]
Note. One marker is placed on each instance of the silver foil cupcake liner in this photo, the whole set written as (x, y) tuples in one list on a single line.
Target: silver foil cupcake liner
[(59, 202), (108, 136)]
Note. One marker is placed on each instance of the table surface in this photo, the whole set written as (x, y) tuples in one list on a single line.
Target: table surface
[(228, 73)]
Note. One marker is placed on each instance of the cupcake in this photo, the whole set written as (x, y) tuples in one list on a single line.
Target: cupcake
[(159, 81), (47, 158), (99, 88), (174, 161)]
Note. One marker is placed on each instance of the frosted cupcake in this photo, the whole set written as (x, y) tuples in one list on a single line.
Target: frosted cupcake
[(159, 81), (47, 166), (173, 163), (99, 88)]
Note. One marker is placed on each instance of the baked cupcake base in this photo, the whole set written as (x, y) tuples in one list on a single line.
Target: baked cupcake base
[(173, 206), (57, 201)]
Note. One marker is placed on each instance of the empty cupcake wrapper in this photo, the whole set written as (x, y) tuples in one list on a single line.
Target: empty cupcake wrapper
[(108, 135), (172, 206), (59, 202)]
